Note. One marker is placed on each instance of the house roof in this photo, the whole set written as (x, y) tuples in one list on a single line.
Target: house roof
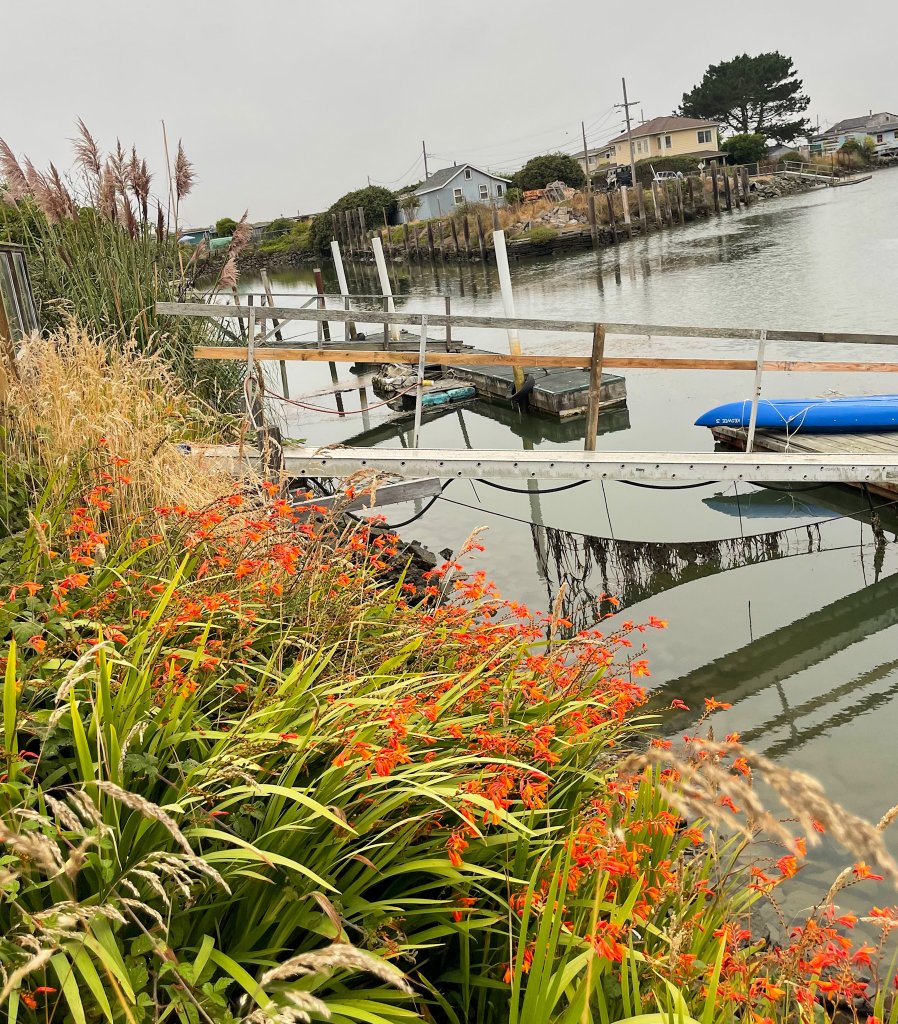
[(662, 126), (851, 124), (440, 178)]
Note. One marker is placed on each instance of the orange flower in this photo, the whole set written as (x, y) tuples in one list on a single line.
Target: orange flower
[(37, 642), (711, 704), (861, 871), (788, 866), (679, 705)]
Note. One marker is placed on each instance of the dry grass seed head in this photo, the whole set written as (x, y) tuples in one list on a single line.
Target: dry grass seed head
[(20, 973), (16, 183), (704, 782), (335, 957)]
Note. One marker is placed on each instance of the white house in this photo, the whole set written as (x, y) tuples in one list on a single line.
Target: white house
[(456, 186)]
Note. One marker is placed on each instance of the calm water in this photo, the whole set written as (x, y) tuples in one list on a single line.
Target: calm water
[(800, 634)]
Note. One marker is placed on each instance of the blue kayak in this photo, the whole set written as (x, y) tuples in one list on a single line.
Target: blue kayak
[(838, 415)]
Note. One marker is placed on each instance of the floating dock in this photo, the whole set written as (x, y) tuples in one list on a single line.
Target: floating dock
[(883, 445), (557, 392)]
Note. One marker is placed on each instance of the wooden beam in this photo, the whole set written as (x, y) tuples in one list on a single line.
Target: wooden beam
[(204, 309), (312, 355)]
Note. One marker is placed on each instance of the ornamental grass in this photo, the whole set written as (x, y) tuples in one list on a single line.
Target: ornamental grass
[(251, 773)]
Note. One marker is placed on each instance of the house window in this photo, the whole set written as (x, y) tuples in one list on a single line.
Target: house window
[(458, 197), (592, 159), (467, 174), (879, 137), (498, 190), (484, 192), (704, 136), (668, 143)]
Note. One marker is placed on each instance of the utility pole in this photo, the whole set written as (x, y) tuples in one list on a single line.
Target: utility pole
[(585, 157), (626, 105), (424, 151)]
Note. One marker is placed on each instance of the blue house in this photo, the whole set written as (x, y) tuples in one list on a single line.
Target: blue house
[(455, 186), (882, 128)]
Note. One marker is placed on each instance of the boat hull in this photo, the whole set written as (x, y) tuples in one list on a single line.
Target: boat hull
[(840, 415)]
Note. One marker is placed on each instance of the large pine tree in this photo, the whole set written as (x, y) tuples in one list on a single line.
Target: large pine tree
[(752, 95)]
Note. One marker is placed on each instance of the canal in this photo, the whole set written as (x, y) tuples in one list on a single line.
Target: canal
[(799, 630)]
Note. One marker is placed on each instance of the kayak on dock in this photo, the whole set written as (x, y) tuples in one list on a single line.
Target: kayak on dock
[(835, 415)]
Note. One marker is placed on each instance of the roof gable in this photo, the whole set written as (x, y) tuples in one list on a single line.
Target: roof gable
[(663, 125), (440, 178)]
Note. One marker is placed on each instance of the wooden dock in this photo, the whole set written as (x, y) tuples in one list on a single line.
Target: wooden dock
[(883, 445)]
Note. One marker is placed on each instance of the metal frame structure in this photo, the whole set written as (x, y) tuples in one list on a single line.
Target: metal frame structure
[(530, 465)]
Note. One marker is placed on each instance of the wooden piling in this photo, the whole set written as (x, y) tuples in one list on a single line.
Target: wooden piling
[(362, 226), (595, 387), (454, 230), (640, 203), (430, 241), (466, 234), (690, 193), (405, 239), (746, 185), (591, 214), (679, 189), (727, 193), (658, 221), (736, 199), (481, 240), (440, 230), (625, 206), (612, 220), (496, 224), (350, 248), (715, 190)]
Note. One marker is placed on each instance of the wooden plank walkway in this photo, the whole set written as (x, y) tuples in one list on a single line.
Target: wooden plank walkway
[(881, 445)]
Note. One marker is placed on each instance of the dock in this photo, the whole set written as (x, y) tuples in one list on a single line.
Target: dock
[(558, 392), (882, 445)]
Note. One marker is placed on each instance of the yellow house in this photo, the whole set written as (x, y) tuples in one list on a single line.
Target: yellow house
[(662, 136)]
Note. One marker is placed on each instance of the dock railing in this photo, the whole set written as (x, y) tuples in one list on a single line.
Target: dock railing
[(690, 466)]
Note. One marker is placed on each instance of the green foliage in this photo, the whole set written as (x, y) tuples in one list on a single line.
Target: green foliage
[(225, 227), (752, 95), (374, 201), (745, 148), (540, 170), (684, 164), (513, 196), (410, 203), (291, 237), (105, 258), (279, 226), (542, 233)]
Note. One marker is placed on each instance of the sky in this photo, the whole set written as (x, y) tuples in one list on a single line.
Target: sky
[(284, 105)]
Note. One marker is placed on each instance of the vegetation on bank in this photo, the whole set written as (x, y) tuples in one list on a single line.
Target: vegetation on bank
[(102, 248), (252, 774)]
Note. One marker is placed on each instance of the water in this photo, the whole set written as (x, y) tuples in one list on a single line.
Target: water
[(804, 644)]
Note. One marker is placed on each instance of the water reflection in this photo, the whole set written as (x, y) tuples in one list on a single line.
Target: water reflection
[(772, 660)]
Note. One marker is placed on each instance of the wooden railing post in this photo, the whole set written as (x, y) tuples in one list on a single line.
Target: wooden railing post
[(419, 393)]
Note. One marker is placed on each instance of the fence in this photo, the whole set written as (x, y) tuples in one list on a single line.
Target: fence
[(831, 467)]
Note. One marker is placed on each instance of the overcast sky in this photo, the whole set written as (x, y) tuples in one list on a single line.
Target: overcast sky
[(284, 105)]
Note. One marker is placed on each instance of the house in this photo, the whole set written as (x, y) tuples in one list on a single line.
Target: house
[(456, 186), (881, 127), (662, 136)]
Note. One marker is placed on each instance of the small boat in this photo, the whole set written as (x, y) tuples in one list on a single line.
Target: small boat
[(835, 415)]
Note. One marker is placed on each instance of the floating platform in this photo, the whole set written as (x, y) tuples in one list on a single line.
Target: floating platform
[(557, 392), (881, 445)]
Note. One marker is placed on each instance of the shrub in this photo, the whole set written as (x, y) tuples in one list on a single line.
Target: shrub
[(375, 201), (683, 164), (540, 170), (514, 196), (225, 227), (747, 148), (542, 233)]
